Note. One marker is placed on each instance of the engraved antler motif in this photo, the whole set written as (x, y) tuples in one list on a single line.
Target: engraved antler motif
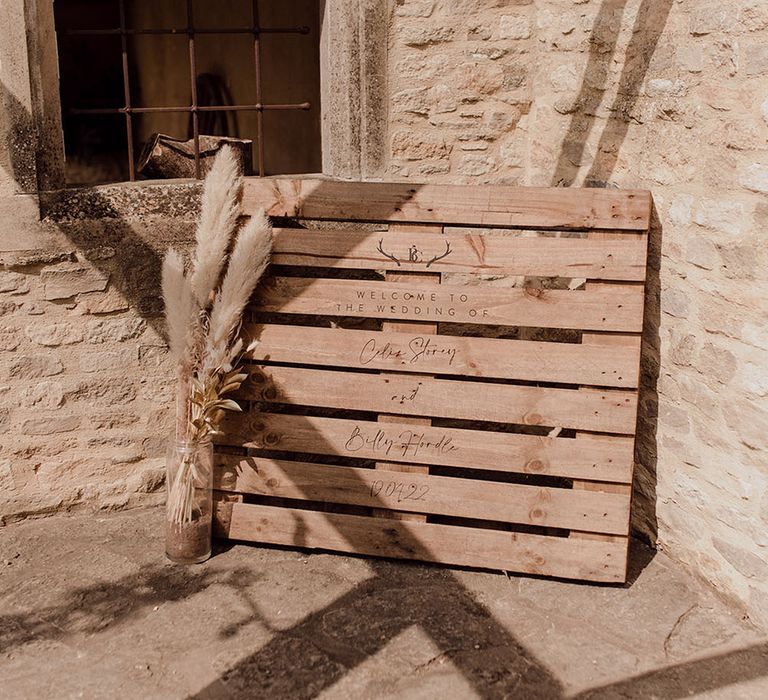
[(443, 255), (380, 248)]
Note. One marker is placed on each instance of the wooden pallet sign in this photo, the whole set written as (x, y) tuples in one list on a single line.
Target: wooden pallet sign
[(445, 373)]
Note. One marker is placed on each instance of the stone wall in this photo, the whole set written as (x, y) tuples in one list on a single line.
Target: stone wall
[(668, 96), (85, 386)]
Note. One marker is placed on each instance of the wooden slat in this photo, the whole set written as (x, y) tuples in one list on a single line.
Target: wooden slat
[(489, 205), (424, 493), (447, 544), (580, 309), (475, 253), (608, 460), (419, 395), (564, 363)]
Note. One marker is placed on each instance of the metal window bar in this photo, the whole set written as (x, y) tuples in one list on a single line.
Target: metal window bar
[(256, 30)]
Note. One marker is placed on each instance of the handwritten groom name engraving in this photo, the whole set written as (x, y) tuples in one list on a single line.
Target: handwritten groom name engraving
[(404, 491), (419, 348), (407, 444)]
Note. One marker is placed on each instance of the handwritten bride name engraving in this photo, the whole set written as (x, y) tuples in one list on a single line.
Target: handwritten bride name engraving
[(419, 348), (408, 443)]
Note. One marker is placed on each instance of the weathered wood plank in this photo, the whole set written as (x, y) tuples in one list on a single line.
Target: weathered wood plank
[(590, 458), (446, 544), (450, 252), (599, 411), (424, 493), (563, 363), (489, 205), (588, 310)]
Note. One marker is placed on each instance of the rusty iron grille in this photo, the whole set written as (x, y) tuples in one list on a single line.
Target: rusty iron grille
[(194, 109)]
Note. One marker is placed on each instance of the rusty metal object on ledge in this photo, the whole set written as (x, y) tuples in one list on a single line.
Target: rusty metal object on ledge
[(165, 157)]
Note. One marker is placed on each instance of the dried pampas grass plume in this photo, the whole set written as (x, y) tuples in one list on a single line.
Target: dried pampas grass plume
[(218, 217), (204, 324), (179, 305), (247, 263)]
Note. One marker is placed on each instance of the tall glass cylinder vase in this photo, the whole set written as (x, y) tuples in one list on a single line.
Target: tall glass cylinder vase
[(189, 506)]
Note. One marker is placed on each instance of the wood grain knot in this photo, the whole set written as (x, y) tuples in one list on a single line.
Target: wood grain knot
[(535, 465), (532, 419), (534, 292), (271, 439), (269, 393)]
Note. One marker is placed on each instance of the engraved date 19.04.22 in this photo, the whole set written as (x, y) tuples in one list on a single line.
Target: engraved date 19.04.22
[(403, 491)]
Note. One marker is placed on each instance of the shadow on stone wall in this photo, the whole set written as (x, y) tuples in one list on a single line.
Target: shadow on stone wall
[(17, 153), (649, 24)]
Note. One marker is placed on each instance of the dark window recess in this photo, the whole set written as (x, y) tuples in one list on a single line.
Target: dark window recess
[(172, 77)]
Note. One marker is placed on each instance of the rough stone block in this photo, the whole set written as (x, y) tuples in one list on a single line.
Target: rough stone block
[(755, 58), (46, 394), (10, 338), (35, 366), (722, 215), (106, 390), (741, 559), (71, 280), (675, 303), (754, 16), (413, 100), (755, 178), (54, 334), (476, 165), (485, 78), (107, 302), (514, 27), (712, 18), (425, 35), (114, 330), (701, 252), (717, 363), (414, 8), (50, 425), (111, 420), (410, 145), (13, 283)]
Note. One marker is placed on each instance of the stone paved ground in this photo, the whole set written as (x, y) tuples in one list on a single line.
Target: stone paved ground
[(90, 608)]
